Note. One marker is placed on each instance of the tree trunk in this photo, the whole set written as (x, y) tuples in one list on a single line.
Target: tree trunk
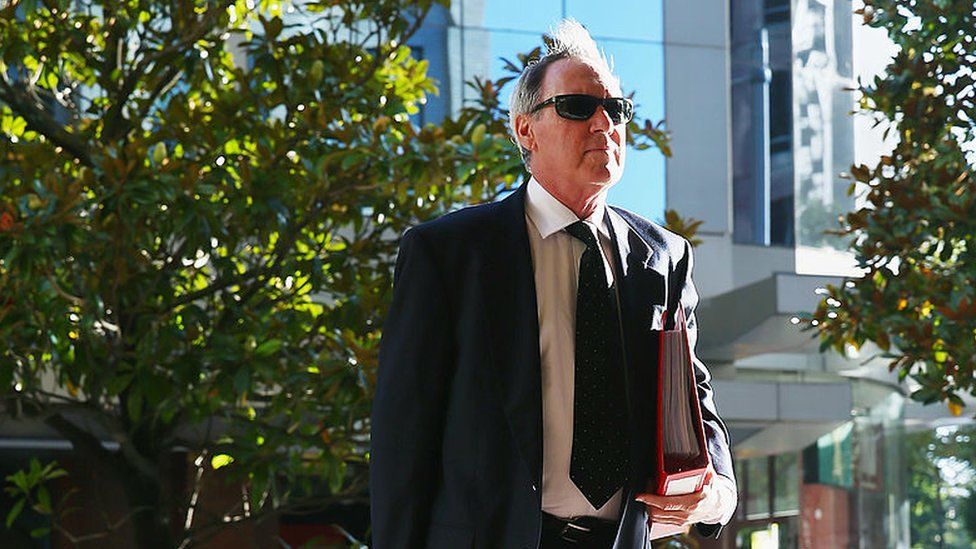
[(151, 517)]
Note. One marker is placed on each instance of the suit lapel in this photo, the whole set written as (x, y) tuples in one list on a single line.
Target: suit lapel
[(638, 256), (513, 324), (641, 266)]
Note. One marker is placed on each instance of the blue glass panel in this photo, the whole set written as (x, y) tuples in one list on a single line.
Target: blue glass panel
[(534, 15), (630, 19), (640, 67), (485, 51), (641, 189)]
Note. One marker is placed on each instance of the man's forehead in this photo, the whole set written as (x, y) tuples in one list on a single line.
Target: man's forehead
[(572, 71)]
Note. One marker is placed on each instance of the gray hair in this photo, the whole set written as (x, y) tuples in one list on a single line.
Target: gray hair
[(569, 40)]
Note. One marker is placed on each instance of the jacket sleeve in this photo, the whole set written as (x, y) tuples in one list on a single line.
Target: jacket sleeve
[(716, 434), (408, 408)]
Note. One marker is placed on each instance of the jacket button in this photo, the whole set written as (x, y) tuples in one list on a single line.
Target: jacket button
[(534, 489)]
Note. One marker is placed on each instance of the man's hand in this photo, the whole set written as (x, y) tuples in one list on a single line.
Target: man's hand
[(706, 505)]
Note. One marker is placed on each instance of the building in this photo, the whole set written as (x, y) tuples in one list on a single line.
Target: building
[(753, 93)]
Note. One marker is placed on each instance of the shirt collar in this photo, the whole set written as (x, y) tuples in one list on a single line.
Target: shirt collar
[(551, 216)]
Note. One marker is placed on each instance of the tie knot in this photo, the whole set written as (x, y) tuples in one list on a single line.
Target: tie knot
[(580, 231)]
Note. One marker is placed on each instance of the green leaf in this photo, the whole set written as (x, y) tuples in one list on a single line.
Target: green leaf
[(43, 500), (19, 479), (221, 460), (268, 347), (15, 512), (117, 384), (57, 473), (478, 135), (134, 405), (337, 478), (242, 380), (159, 153)]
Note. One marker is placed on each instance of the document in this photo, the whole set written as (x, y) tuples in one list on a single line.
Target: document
[(681, 455)]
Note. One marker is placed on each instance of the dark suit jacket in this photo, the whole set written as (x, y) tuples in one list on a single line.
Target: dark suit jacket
[(456, 457)]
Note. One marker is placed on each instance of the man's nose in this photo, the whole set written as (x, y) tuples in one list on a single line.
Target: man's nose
[(601, 121)]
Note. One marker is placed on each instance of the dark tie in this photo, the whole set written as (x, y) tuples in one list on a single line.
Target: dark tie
[(599, 458)]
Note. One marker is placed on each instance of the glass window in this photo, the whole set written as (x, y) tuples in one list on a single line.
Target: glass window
[(781, 194), (786, 480), (640, 67), (757, 488), (777, 11), (762, 123), (824, 140), (484, 51), (631, 19), (739, 466), (834, 457), (780, 110), (536, 16), (641, 189)]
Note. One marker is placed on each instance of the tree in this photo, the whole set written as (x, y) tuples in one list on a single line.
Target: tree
[(199, 210), (914, 235), (940, 484), (199, 205)]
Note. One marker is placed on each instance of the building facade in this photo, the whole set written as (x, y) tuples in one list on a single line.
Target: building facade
[(755, 94)]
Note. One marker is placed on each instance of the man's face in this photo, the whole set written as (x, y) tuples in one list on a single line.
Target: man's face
[(575, 155)]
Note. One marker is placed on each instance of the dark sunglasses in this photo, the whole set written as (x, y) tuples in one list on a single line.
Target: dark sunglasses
[(577, 106)]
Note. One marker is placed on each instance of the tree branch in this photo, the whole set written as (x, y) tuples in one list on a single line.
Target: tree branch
[(116, 125), (80, 439), (109, 529), (166, 82), (217, 287), (42, 122)]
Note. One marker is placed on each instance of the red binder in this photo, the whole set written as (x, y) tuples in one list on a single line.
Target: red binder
[(680, 465)]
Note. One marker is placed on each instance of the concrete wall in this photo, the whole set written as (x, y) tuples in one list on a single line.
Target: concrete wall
[(696, 73)]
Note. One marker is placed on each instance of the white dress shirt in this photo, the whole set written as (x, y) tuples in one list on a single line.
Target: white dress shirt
[(555, 260)]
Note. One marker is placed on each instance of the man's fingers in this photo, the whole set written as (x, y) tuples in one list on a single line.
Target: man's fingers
[(680, 510), (676, 520), (665, 506), (671, 522), (659, 516), (671, 503)]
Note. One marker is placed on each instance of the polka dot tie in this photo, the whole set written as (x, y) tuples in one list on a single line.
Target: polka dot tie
[(599, 457)]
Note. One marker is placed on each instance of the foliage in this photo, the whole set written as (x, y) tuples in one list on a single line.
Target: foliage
[(915, 233), (940, 483), (199, 210), (687, 228), (200, 203), (29, 488)]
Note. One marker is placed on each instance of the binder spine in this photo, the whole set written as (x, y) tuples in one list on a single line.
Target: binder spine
[(690, 480)]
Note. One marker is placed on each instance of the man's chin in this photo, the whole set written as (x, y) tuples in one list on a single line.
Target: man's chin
[(605, 176)]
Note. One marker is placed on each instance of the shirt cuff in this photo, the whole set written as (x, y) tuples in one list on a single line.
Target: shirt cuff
[(728, 498)]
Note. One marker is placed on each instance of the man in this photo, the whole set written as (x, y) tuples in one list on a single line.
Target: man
[(515, 395)]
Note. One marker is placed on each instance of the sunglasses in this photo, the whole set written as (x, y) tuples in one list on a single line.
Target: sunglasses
[(577, 106)]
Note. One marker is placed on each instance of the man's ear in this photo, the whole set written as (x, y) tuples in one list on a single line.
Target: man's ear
[(524, 133)]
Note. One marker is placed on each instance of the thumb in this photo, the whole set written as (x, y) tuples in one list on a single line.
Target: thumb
[(709, 474)]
